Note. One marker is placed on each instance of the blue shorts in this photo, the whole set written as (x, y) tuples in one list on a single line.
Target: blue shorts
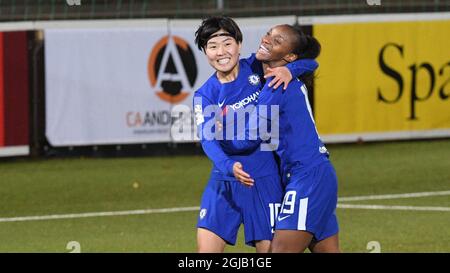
[(226, 205), (310, 202)]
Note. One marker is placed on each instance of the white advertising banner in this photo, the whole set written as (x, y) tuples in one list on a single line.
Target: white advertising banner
[(114, 85)]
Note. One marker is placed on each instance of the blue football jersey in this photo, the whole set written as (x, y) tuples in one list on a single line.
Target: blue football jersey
[(228, 103), (216, 101), (297, 141)]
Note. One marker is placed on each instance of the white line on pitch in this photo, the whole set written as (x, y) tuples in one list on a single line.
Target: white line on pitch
[(381, 207), (96, 214), (181, 209), (393, 196)]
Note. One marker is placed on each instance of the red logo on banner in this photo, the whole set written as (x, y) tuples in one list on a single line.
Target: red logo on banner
[(172, 69)]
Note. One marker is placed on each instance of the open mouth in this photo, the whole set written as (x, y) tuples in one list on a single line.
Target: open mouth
[(223, 61), (263, 50)]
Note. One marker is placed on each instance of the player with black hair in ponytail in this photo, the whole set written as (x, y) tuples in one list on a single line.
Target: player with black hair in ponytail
[(307, 218)]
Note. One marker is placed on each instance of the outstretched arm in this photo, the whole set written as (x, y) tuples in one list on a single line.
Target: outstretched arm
[(284, 74)]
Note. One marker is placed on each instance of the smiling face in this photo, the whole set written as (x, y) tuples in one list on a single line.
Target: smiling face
[(276, 47), (223, 52)]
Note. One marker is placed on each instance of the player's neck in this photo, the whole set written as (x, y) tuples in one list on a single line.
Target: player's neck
[(229, 76), (273, 64)]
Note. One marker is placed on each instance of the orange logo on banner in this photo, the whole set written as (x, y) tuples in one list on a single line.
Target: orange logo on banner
[(172, 69)]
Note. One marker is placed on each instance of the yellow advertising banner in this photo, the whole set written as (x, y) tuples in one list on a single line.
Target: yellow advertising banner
[(383, 77)]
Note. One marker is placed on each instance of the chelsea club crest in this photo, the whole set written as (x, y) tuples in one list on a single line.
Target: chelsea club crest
[(253, 79)]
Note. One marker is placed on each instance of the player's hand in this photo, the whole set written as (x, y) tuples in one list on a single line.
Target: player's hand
[(242, 176), (281, 75)]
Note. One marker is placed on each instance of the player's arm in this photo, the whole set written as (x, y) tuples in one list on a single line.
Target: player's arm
[(282, 75), (206, 126), (205, 122)]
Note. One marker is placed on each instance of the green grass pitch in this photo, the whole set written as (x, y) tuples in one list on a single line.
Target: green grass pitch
[(82, 185)]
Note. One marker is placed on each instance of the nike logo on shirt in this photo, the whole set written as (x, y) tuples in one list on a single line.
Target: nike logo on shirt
[(282, 218)]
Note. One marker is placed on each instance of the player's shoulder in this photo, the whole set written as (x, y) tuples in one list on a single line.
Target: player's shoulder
[(210, 88), (297, 83), (249, 60), (298, 86), (251, 66)]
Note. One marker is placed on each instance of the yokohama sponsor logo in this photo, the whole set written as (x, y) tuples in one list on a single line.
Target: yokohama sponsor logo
[(253, 97)]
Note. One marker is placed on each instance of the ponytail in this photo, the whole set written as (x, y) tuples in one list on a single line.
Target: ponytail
[(306, 47), (312, 48)]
